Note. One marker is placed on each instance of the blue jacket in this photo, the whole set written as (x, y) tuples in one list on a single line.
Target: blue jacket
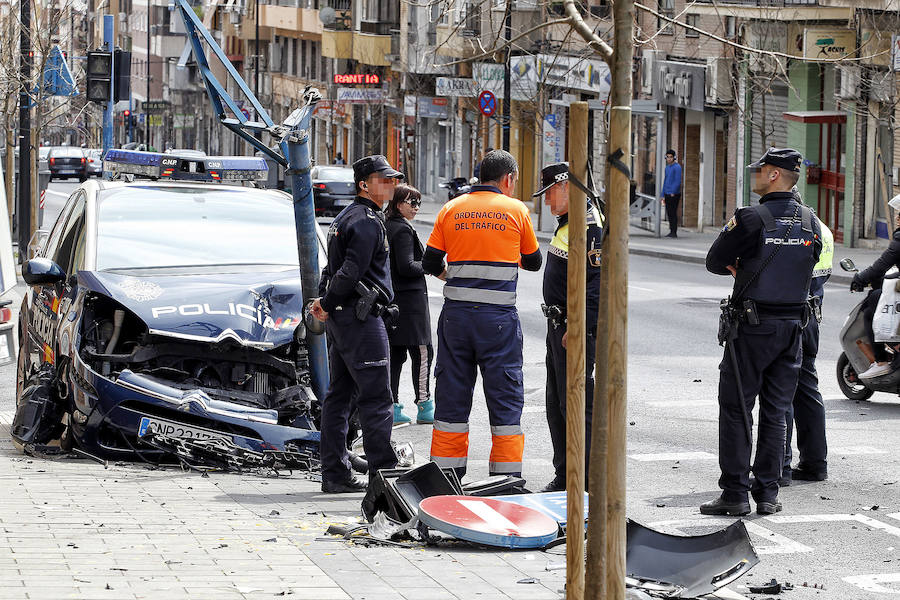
[(672, 182)]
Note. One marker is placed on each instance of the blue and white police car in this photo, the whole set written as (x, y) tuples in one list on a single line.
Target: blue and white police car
[(170, 305)]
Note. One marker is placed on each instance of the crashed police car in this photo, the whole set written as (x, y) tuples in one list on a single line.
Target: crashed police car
[(168, 307)]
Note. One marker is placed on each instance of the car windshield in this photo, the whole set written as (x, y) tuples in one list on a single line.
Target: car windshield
[(155, 227), (66, 152), (335, 174)]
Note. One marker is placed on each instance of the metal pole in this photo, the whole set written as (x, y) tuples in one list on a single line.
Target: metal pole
[(25, 200), (256, 65), (307, 242), (507, 91), (575, 367), (147, 99), (108, 112)]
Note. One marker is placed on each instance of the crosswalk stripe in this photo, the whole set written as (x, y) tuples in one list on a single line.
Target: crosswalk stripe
[(832, 518), (682, 403), (872, 583)]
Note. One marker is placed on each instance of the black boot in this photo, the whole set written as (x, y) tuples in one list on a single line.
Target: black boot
[(720, 506)]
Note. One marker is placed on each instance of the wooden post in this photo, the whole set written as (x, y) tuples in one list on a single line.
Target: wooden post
[(575, 367), (616, 267), (598, 482)]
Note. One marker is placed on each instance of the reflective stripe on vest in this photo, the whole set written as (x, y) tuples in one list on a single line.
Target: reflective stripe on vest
[(450, 444), (484, 283), (507, 448)]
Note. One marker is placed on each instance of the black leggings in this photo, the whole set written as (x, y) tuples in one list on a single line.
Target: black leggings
[(870, 305), (421, 369)]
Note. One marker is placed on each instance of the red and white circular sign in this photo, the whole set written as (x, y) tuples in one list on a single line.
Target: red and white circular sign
[(488, 521)]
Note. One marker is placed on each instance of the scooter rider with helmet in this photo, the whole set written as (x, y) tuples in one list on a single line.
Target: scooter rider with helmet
[(874, 276)]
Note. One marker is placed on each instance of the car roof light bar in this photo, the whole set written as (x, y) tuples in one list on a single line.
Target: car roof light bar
[(157, 165)]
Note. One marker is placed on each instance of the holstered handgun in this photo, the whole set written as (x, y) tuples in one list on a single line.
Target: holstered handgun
[(372, 302)]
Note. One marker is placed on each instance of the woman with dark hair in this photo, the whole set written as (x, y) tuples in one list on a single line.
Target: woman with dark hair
[(412, 333)]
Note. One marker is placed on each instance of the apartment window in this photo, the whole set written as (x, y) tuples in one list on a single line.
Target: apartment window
[(666, 8), (730, 27), (693, 21), (304, 64)]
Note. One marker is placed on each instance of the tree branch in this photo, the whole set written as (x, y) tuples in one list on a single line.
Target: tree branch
[(578, 24)]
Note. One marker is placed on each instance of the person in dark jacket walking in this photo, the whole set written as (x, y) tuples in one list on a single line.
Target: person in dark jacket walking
[(874, 276), (411, 335)]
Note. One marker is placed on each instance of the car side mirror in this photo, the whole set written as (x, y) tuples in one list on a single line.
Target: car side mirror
[(847, 264), (42, 271)]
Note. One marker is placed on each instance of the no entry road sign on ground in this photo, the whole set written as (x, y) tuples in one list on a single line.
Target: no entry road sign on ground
[(488, 521), (487, 103)]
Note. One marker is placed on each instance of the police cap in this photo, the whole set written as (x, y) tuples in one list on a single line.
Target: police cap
[(374, 164), (784, 158), (551, 175)]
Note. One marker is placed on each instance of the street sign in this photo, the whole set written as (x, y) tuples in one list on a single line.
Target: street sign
[(150, 106), (487, 103), (488, 521), (246, 113)]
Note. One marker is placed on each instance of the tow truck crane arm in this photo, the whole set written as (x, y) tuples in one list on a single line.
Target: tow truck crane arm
[(291, 150)]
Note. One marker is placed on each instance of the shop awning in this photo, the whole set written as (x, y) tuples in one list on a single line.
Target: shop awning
[(816, 116)]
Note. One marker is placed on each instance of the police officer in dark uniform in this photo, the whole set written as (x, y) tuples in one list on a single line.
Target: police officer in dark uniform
[(555, 184), (355, 289), (770, 249)]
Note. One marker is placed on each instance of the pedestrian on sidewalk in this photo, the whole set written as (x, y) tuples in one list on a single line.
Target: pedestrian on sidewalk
[(671, 191), (358, 351), (484, 235), (411, 335), (555, 184), (339, 160), (771, 250), (808, 410)]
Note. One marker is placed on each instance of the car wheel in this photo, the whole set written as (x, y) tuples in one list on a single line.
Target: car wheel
[(849, 382)]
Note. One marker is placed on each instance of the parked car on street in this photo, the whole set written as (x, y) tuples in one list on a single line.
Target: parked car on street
[(66, 162), (167, 308), (94, 162), (333, 188)]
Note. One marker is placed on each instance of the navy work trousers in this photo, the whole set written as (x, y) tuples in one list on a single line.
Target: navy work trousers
[(807, 410), (556, 396), (358, 362), (768, 361), (489, 337)]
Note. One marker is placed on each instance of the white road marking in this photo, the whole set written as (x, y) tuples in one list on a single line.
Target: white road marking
[(856, 450), (488, 514), (682, 403), (534, 409), (643, 289), (777, 543), (895, 516), (55, 193), (664, 456), (862, 519), (872, 583), (6, 417)]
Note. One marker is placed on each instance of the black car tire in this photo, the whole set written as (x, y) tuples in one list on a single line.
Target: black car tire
[(849, 382)]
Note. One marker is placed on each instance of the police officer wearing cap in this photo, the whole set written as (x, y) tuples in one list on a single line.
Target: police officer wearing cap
[(358, 353), (770, 249), (555, 186)]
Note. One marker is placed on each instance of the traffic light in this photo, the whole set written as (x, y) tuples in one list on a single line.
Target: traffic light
[(99, 73), (123, 75), (127, 119)]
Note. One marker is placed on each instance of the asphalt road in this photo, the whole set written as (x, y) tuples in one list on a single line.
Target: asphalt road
[(843, 533)]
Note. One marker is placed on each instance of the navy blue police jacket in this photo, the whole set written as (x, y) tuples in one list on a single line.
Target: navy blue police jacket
[(782, 249), (357, 250), (556, 270)]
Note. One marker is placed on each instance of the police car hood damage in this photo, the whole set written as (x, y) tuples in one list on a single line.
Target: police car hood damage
[(209, 307), (228, 343)]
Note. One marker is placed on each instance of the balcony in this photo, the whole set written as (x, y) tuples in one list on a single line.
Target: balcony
[(290, 18), (337, 44)]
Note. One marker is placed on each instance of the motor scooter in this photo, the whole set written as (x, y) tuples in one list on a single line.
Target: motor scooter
[(853, 360), (456, 187)]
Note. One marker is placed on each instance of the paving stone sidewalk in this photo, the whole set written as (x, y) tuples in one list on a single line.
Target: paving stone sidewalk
[(74, 529)]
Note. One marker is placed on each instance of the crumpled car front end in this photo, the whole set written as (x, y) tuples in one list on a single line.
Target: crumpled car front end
[(146, 358)]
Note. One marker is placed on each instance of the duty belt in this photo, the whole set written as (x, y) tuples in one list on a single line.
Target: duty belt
[(555, 314)]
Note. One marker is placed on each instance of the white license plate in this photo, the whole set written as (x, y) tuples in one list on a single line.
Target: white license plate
[(66, 172), (181, 430)]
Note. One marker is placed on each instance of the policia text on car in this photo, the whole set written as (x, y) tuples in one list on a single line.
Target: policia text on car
[(355, 291), (555, 184), (762, 327), (484, 235)]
